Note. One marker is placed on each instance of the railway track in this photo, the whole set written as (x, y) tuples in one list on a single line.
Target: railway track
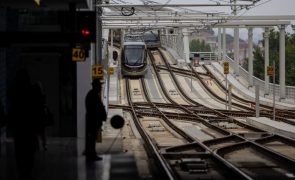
[(230, 131), (196, 142), (194, 159), (186, 158), (163, 168), (285, 113), (267, 111)]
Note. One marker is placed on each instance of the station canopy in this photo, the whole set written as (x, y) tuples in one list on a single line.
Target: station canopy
[(153, 15)]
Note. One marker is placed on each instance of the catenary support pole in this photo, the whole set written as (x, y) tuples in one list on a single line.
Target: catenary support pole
[(282, 62), (112, 46), (229, 97), (266, 60), (236, 45), (224, 44), (274, 92), (219, 44), (98, 48), (250, 56), (185, 45), (257, 109)]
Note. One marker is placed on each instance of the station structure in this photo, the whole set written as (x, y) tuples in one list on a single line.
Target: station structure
[(189, 157)]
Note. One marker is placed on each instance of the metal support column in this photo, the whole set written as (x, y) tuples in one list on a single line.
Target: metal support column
[(236, 51), (266, 60), (224, 44), (282, 62), (226, 93), (219, 44), (257, 109), (230, 97), (167, 37), (274, 92), (122, 37), (112, 47), (250, 56), (185, 45), (98, 48), (236, 44)]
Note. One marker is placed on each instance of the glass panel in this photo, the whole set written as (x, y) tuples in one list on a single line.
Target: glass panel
[(134, 54)]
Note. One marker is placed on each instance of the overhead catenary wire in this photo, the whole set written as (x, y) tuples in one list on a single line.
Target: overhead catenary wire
[(246, 10), (207, 22)]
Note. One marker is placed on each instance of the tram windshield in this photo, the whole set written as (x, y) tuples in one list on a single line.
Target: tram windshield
[(134, 54), (151, 37)]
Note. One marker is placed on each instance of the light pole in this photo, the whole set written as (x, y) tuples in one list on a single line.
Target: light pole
[(274, 93), (192, 77)]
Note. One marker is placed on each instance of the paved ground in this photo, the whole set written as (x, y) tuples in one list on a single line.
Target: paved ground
[(64, 159)]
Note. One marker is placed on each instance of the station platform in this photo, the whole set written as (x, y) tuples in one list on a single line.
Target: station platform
[(64, 158), (270, 125)]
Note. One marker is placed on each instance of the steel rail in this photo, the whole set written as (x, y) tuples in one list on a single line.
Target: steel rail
[(274, 154), (181, 71), (165, 118), (181, 132), (152, 149), (266, 138), (262, 113), (161, 83), (279, 112), (201, 80)]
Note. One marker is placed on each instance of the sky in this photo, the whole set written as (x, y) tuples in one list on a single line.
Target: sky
[(267, 7)]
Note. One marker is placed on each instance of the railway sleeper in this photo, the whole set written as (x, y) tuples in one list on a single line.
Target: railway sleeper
[(193, 165)]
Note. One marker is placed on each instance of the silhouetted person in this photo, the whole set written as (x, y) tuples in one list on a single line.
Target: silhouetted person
[(95, 115), (24, 122), (43, 115)]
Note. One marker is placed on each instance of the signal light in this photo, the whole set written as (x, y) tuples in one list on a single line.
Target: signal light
[(86, 26), (85, 32)]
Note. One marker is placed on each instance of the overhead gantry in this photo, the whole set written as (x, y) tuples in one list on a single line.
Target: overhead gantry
[(157, 16)]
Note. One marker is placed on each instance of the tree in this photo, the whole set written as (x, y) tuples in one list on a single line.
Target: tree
[(202, 45), (197, 46), (274, 46), (207, 48), (290, 64), (258, 64), (194, 45)]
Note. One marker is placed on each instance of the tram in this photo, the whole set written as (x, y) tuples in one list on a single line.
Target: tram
[(152, 39), (134, 59)]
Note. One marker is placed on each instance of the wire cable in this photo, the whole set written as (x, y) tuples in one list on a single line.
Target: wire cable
[(113, 142)]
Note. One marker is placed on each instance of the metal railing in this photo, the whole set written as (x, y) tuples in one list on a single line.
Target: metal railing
[(290, 90), (175, 42), (205, 56)]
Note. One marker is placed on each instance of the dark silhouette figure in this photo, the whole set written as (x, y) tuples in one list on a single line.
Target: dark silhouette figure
[(43, 114), (95, 115), (24, 120)]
